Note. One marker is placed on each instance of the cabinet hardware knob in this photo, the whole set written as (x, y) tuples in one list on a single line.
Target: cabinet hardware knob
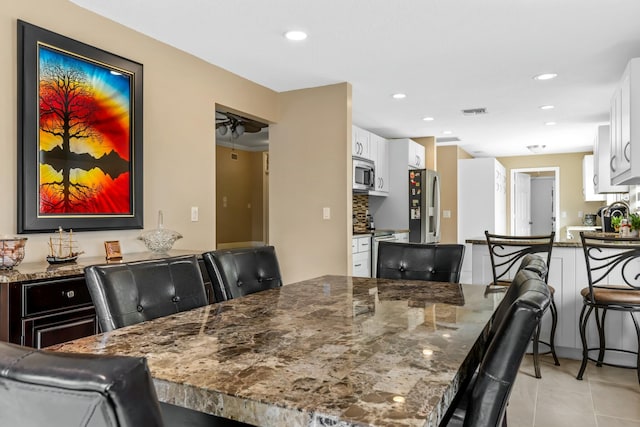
[(69, 294), (627, 151)]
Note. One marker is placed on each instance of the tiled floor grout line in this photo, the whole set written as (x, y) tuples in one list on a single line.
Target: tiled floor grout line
[(593, 403), (535, 403)]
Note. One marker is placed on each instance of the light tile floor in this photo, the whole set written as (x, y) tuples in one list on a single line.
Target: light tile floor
[(606, 397)]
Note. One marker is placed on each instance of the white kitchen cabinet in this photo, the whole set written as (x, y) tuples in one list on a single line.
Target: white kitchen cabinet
[(360, 143), (361, 256), (601, 156), (416, 155), (392, 212), (588, 181), (380, 147), (625, 127)]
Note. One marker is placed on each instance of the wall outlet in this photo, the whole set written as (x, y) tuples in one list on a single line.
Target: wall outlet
[(580, 215), (194, 213), (446, 213)]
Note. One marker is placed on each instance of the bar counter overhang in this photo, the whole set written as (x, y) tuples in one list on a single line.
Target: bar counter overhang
[(334, 350)]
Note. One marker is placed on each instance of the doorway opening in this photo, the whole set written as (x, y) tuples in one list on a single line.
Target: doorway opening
[(242, 180), (535, 201)]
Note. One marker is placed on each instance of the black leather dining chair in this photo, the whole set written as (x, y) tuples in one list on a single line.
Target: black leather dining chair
[(238, 272), (483, 402), (416, 261), (42, 388), (510, 254), (129, 293), (613, 274)]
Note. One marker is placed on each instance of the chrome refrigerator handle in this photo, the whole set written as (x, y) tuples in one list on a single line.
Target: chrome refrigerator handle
[(436, 205)]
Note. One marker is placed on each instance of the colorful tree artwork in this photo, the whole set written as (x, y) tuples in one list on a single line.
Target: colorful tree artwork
[(84, 136)]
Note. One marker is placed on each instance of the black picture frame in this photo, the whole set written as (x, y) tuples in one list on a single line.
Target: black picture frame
[(59, 184)]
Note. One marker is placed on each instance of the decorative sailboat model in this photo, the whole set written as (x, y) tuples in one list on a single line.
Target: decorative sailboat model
[(62, 248)]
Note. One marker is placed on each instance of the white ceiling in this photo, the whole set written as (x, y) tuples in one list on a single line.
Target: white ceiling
[(446, 55)]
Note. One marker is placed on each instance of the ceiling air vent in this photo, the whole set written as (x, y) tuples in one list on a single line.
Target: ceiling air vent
[(445, 139), (474, 111)]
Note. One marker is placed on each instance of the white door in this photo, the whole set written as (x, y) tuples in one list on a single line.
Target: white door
[(522, 203), (542, 205)]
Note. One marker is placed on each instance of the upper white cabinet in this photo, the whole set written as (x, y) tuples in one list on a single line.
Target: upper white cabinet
[(624, 158), (380, 150), (416, 155), (360, 143), (601, 157), (588, 181)]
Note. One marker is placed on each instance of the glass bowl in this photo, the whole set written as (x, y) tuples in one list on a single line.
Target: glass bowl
[(159, 240), (11, 252)]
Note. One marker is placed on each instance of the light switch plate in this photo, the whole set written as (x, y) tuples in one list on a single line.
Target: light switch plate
[(194, 213), (326, 213)]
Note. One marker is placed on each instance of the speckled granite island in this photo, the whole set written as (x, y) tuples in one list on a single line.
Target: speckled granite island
[(331, 351)]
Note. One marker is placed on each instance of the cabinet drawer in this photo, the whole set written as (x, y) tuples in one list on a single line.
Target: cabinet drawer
[(47, 330), (54, 295), (364, 244)]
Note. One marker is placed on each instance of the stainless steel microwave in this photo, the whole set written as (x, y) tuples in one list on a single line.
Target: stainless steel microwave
[(363, 175)]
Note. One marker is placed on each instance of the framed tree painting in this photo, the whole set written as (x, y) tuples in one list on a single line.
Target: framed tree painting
[(79, 135)]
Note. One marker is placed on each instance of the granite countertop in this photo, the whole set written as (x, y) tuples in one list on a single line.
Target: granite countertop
[(335, 350), (377, 232), (561, 242), (29, 271)]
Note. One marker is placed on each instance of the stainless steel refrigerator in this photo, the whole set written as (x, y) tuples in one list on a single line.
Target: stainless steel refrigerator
[(424, 206)]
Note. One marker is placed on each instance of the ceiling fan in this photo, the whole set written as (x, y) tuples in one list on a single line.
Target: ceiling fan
[(236, 125)]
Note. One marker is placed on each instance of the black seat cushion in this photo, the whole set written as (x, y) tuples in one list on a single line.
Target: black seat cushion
[(130, 293), (238, 272), (415, 261)]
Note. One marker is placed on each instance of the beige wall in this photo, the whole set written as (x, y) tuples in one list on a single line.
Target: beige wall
[(571, 199), (310, 165), (240, 182), (180, 93), (447, 166)]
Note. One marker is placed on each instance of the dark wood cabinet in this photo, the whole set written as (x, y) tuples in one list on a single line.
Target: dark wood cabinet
[(40, 307), (43, 331), (44, 312)]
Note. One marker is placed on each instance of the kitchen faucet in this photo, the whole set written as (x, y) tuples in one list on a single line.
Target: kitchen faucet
[(606, 211)]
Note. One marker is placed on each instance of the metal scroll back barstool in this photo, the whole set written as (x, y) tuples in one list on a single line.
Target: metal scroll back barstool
[(506, 254), (613, 272)]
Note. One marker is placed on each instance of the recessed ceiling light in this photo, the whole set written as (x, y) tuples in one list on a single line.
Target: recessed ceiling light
[(399, 95), (545, 76), (295, 35), (547, 107), (536, 149), (447, 132), (550, 123), (427, 119)]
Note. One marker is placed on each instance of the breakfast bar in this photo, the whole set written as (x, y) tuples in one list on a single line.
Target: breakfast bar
[(334, 350)]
